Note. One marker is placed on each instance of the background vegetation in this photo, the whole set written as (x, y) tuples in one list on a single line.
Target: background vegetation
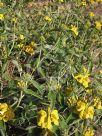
[(50, 56)]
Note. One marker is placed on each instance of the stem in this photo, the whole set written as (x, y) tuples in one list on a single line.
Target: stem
[(1, 89), (12, 44), (20, 98), (2, 132)]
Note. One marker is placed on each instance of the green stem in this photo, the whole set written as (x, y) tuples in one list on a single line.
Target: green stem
[(12, 45), (2, 132), (20, 98)]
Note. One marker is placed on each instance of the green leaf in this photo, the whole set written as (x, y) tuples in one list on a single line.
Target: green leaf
[(60, 98), (29, 91), (36, 85), (40, 70), (4, 67), (17, 65), (70, 117), (52, 98), (6, 76), (63, 123), (2, 125)]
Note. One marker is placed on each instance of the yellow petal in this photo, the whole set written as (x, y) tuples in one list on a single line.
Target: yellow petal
[(3, 108), (49, 125), (8, 115), (89, 112), (21, 37), (80, 105), (81, 114), (42, 116), (89, 132), (79, 78), (1, 16), (55, 117), (1, 117), (98, 25)]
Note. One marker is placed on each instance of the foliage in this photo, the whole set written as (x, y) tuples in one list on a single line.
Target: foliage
[(50, 58)]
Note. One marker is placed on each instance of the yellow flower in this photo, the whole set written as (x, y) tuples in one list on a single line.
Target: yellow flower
[(79, 78), (87, 113), (29, 50), (91, 14), (55, 117), (33, 44), (86, 81), (98, 25), (1, 16), (42, 118), (21, 84), (83, 78), (89, 132), (88, 90), (71, 101), (98, 0), (6, 112), (21, 37), (83, 3), (14, 19), (20, 45), (3, 108), (47, 18), (80, 105), (74, 29), (100, 71), (92, 1), (61, 0), (8, 115), (45, 119), (98, 103)]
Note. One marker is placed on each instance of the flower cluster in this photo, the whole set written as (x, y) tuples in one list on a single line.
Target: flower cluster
[(83, 78), (74, 29), (89, 132), (72, 100), (6, 112), (91, 14), (21, 84), (97, 103), (1, 17), (47, 18), (30, 49), (51, 70), (85, 111), (98, 25), (45, 119)]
